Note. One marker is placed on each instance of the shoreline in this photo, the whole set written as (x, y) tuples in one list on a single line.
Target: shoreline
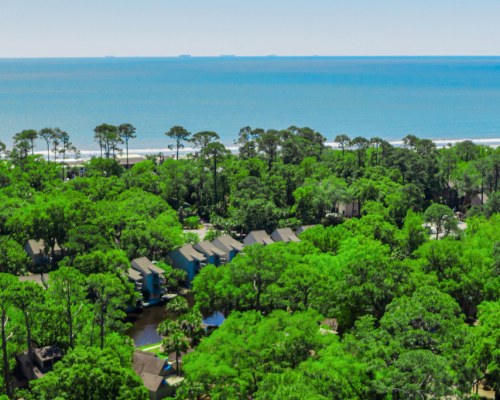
[(165, 151)]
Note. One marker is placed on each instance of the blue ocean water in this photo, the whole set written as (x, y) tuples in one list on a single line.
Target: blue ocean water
[(433, 97)]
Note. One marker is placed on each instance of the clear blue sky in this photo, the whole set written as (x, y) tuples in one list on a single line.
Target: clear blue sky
[(59, 28)]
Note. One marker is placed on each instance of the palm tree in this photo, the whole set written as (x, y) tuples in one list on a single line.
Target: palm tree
[(177, 306), (176, 342), (360, 144), (179, 134), (343, 140), (190, 325), (376, 141), (127, 132), (167, 327)]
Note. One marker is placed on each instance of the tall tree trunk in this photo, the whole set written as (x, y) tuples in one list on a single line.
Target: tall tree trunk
[(28, 337), (70, 320), (63, 160), (6, 372), (216, 198), (126, 146), (52, 256), (102, 326), (177, 361), (258, 287), (482, 189)]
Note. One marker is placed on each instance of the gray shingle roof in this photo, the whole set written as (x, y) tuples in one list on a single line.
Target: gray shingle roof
[(303, 228), (151, 381), (144, 265), (208, 249), (189, 252), (145, 362), (227, 243), (38, 246), (258, 237), (134, 275), (41, 279), (284, 235)]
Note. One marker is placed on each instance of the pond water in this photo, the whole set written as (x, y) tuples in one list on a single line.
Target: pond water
[(145, 322)]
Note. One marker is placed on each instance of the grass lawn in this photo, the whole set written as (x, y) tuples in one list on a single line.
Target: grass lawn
[(153, 348)]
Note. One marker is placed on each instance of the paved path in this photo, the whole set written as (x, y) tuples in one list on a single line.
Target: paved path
[(152, 347)]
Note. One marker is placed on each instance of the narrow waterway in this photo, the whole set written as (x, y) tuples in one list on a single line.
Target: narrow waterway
[(145, 322)]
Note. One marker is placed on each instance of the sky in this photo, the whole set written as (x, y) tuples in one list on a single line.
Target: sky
[(95, 28)]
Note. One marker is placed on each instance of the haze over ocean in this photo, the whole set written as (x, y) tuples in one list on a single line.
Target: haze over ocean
[(447, 98)]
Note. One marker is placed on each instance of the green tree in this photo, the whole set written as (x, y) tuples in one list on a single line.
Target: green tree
[(7, 281), (23, 144), (343, 141), (254, 272), (412, 234), (108, 138), (67, 289), (110, 296), (467, 150), (202, 139), (126, 132), (179, 135), (441, 217), (191, 325), (177, 306), (90, 373), (368, 279), (27, 297), (299, 285), (360, 144), (2, 148), (420, 374), (247, 142), (175, 342), (276, 343), (427, 320), (66, 147), (216, 151), (13, 258), (268, 143), (56, 141), (47, 134), (487, 348)]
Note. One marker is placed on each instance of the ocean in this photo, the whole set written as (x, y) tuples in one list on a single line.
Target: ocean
[(447, 98)]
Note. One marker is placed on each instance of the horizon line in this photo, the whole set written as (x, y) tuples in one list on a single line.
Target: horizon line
[(187, 56)]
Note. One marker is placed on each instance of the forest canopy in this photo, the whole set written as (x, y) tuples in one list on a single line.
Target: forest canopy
[(391, 292)]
